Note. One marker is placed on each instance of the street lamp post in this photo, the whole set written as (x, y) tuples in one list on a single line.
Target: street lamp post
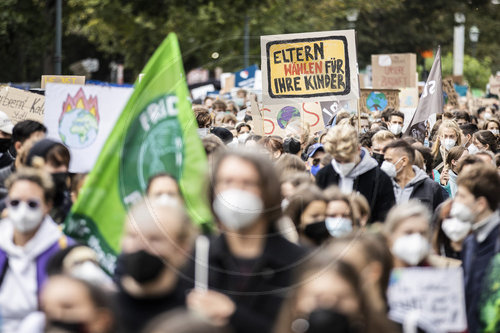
[(352, 17), (458, 44), (474, 37)]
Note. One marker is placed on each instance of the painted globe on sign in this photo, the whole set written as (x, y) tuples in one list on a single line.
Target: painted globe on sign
[(376, 101), (286, 115), (78, 128)]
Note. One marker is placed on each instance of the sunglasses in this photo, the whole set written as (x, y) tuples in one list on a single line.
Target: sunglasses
[(32, 203)]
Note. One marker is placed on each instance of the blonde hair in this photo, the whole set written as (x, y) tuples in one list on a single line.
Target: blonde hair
[(383, 136), (342, 142), (36, 176), (446, 124), (400, 213)]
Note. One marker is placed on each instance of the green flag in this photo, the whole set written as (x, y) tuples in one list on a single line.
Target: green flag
[(156, 132)]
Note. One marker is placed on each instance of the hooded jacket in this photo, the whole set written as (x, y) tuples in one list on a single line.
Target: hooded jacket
[(23, 269), (421, 187), (367, 179)]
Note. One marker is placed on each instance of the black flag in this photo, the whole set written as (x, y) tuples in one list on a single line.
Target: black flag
[(431, 101)]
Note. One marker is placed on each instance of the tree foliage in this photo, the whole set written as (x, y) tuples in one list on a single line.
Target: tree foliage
[(130, 30)]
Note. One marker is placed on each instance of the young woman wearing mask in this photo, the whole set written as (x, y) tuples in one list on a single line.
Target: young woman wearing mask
[(483, 140), (492, 125), (250, 263), (339, 219), (450, 172), (28, 238), (307, 209), (449, 136), (407, 231), (449, 232), (328, 294)]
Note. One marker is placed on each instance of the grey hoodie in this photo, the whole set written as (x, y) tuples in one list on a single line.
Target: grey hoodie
[(367, 163), (403, 194)]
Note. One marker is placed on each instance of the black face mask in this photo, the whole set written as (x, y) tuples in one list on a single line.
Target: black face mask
[(67, 326), (379, 158), (142, 266), (291, 145), (5, 145), (322, 320), (60, 186), (317, 232)]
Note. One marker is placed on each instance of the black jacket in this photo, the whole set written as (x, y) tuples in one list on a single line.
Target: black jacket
[(476, 258), (257, 290), (374, 184), (429, 193), (422, 188)]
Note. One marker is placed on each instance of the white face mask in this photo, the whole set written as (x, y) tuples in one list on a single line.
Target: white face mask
[(243, 137), (395, 129), (390, 168), (412, 249), (343, 168), (237, 209), (487, 116), (448, 143), (203, 132), (284, 204), (472, 149), (338, 226), (462, 212), (455, 229), (25, 218), (494, 131)]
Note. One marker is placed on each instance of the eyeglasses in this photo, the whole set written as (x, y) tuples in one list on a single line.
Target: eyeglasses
[(32, 203)]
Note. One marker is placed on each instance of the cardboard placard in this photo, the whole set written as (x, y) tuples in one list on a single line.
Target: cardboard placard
[(495, 85), (435, 295), (285, 119), (66, 79), (82, 118), (395, 70), (309, 67), (449, 90), (373, 100), (258, 124), (408, 102), (21, 105)]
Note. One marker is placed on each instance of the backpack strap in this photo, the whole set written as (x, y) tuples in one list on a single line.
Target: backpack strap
[(4, 265)]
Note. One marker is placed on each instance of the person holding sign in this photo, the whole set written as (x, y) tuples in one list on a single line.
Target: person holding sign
[(353, 169), (250, 263), (476, 202)]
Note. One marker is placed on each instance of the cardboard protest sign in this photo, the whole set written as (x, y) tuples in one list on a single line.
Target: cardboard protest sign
[(20, 105), (372, 100), (82, 118), (309, 67), (67, 79), (437, 295), (495, 85), (258, 123), (285, 119), (394, 70), (451, 96), (330, 109), (408, 102)]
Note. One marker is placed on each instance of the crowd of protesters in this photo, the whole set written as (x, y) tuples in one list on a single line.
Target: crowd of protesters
[(308, 228)]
